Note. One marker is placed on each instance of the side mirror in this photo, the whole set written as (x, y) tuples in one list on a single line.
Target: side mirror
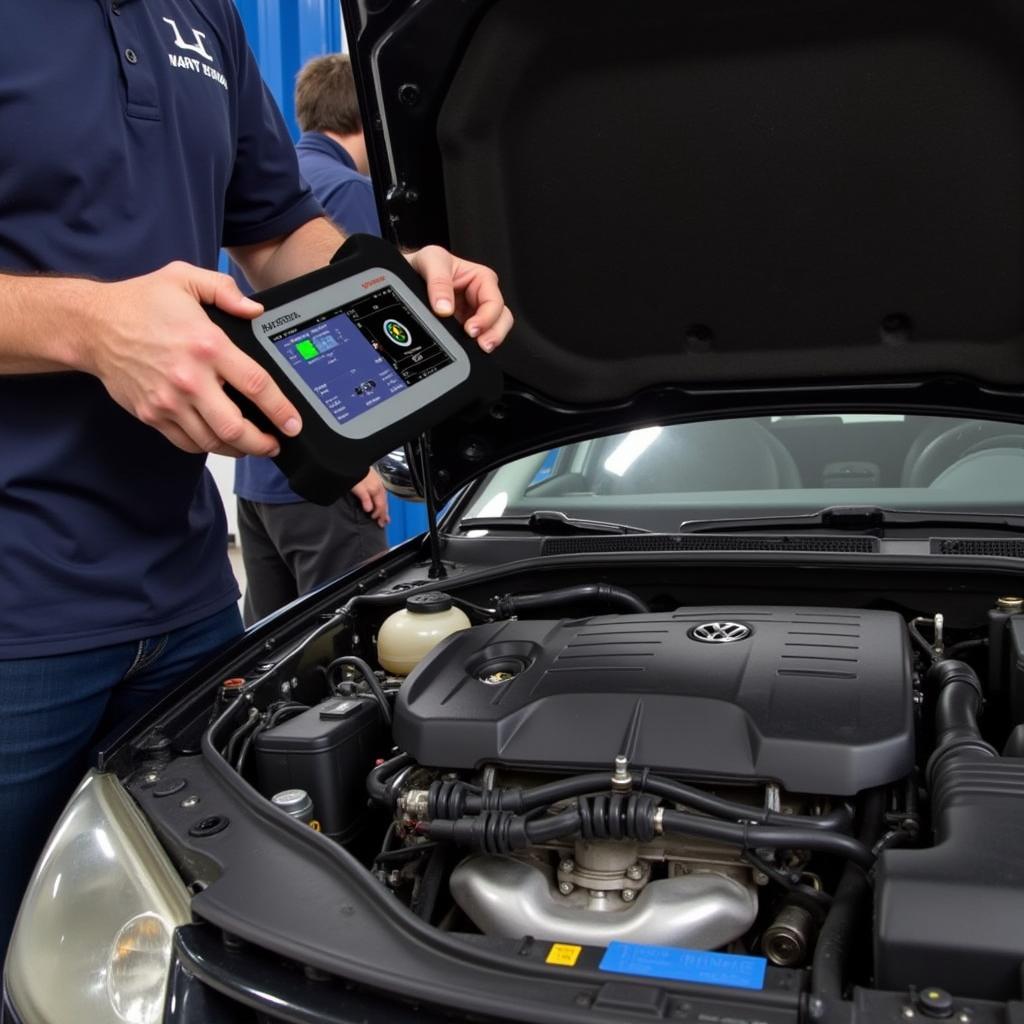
[(396, 471)]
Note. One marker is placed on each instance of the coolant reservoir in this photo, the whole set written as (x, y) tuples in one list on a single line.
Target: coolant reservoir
[(407, 636)]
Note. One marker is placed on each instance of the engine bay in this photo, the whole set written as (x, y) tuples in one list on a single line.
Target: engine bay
[(804, 784)]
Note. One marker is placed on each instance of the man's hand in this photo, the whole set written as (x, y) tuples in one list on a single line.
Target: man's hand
[(468, 290), (160, 357), (373, 497)]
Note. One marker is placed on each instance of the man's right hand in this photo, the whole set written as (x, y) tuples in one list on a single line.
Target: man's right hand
[(163, 360)]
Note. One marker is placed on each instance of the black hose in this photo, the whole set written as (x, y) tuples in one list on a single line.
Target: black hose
[(404, 853), (368, 676), (960, 696), (476, 609), (630, 816), (378, 782), (835, 821), (555, 826), (515, 604), (243, 751), (965, 645), (956, 713), (449, 802), (452, 799), (757, 836), (252, 721), (850, 904), (286, 710)]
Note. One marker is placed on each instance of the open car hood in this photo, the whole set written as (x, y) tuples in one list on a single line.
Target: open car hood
[(709, 208)]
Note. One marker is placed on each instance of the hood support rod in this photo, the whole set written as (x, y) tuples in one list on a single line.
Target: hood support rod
[(422, 446)]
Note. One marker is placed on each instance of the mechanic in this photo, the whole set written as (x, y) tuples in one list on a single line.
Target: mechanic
[(139, 138), (291, 546)]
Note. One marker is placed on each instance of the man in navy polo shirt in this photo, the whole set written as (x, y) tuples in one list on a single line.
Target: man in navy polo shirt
[(291, 546), (137, 139)]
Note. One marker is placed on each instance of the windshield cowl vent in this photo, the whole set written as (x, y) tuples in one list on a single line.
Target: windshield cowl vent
[(977, 546), (706, 542)]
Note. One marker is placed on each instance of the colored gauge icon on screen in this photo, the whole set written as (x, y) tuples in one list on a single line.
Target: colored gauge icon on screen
[(397, 333)]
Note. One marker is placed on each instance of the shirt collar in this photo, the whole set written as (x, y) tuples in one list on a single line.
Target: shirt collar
[(320, 143)]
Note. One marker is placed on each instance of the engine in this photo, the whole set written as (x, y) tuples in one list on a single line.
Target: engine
[(581, 762), (818, 701)]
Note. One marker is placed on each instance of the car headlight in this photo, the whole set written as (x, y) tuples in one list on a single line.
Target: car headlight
[(93, 937)]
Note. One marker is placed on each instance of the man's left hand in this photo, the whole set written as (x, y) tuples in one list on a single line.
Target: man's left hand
[(373, 497), (469, 291)]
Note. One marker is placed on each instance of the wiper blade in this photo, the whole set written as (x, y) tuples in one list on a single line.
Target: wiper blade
[(547, 524), (868, 519)]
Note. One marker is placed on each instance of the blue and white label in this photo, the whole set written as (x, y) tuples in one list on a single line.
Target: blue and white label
[(725, 969)]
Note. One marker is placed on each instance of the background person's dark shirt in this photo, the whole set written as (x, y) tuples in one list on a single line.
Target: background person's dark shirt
[(130, 139)]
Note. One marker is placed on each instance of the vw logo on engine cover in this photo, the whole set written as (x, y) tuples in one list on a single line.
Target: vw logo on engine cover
[(720, 632)]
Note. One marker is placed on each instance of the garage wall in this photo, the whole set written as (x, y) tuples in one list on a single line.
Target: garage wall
[(284, 34)]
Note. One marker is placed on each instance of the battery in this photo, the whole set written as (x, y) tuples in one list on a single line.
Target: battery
[(327, 751)]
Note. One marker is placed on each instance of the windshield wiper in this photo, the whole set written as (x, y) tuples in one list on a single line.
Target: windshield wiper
[(547, 524), (868, 519)]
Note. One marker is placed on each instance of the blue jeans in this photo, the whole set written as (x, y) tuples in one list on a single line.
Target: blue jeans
[(54, 710)]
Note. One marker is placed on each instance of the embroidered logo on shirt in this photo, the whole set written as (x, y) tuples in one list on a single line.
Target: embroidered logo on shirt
[(196, 47), (179, 60)]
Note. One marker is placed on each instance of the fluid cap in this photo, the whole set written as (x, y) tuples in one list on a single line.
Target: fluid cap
[(935, 1002), (295, 802), (429, 603)]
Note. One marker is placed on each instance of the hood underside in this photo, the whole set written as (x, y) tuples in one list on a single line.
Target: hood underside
[(729, 196)]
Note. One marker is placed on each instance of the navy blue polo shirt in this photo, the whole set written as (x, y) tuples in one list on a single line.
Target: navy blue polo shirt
[(135, 132), (347, 197)]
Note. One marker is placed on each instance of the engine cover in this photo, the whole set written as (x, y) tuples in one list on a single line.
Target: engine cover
[(818, 700)]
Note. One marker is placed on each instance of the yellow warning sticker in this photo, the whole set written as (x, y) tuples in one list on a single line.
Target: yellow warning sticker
[(563, 955)]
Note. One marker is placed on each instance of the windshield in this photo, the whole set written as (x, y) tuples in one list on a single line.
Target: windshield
[(657, 477)]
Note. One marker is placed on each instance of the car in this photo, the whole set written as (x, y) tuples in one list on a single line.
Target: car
[(702, 699)]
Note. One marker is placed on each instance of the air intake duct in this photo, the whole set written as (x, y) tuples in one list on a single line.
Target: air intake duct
[(950, 915)]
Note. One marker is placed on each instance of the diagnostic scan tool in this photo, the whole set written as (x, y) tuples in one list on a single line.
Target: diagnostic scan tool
[(358, 351)]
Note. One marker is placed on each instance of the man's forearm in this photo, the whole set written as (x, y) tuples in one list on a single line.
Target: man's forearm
[(307, 248), (44, 322), (47, 323)]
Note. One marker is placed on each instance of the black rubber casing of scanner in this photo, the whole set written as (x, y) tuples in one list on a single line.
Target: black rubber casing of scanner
[(321, 465)]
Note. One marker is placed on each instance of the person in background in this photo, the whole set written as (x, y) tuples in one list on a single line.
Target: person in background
[(291, 546), (126, 168)]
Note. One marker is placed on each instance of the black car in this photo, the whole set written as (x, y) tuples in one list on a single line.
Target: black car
[(704, 700)]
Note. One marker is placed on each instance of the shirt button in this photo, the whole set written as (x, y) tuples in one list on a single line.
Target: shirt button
[(131, 56)]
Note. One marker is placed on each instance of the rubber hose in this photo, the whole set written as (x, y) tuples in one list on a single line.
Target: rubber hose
[(369, 678), (513, 604), (851, 903), (594, 782), (379, 779), (554, 827), (835, 821), (956, 713), (960, 696), (756, 836)]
